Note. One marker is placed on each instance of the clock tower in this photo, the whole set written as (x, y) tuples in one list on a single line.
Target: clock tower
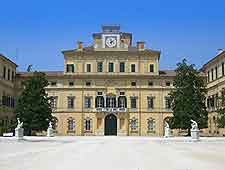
[(111, 36), (112, 39)]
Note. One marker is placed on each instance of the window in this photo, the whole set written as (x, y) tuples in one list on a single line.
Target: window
[(87, 102), (167, 83), (8, 74), (216, 72), (151, 124), (122, 93), (99, 102), (212, 76), (71, 83), (4, 72), (88, 83), (133, 124), (122, 102), (133, 83), (13, 75), (222, 69), (87, 124), (53, 102), (71, 124), (53, 83), (151, 68), (212, 101), (150, 102), (99, 93), (88, 67), (70, 68), (132, 67), (70, 100), (110, 101), (150, 83), (99, 67), (111, 67), (168, 102), (208, 77), (133, 103), (122, 67)]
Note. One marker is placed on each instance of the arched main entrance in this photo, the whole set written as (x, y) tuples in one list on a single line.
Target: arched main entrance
[(110, 125)]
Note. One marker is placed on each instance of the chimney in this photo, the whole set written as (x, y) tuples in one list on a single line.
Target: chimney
[(79, 45), (140, 45), (219, 51)]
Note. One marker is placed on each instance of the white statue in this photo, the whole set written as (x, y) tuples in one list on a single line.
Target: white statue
[(19, 124), (50, 132), (19, 130), (194, 125), (50, 125), (167, 125), (167, 130), (195, 132)]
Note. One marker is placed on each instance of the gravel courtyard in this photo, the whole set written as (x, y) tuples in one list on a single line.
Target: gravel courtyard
[(111, 153)]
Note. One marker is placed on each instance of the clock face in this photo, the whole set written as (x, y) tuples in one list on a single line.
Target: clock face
[(110, 42)]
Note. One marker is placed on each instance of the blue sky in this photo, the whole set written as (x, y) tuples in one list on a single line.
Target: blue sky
[(35, 32)]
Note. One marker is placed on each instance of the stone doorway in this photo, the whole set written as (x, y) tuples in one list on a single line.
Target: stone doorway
[(110, 125)]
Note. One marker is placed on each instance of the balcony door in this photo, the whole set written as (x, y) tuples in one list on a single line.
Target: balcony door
[(110, 125)]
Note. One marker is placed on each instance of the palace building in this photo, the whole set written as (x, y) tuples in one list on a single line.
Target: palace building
[(115, 88), (215, 71), (7, 92), (110, 88)]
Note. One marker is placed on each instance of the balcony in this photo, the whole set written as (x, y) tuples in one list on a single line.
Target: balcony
[(110, 110)]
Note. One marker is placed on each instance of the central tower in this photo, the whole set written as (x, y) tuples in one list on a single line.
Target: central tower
[(111, 39)]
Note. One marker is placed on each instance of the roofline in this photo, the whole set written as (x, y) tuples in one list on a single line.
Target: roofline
[(1, 55), (88, 52), (212, 59)]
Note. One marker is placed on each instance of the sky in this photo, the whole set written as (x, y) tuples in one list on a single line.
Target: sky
[(36, 31)]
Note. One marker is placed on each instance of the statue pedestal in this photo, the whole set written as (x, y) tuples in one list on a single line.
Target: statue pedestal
[(50, 132), (195, 134), (167, 133), (19, 133)]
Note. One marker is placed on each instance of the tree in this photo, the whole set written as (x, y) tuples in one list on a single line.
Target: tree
[(188, 98), (221, 110), (33, 106)]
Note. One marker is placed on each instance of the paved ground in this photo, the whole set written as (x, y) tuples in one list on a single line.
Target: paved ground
[(111, 153)]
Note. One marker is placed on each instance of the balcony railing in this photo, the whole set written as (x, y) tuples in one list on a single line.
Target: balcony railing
[(111, 110)]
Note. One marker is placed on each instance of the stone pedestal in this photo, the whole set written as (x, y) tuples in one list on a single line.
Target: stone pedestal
[(168, 133), (19, 133), (50, 132), (195, 134)]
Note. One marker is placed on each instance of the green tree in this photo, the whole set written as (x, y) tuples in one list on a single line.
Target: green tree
[(33, 106), (221, 110), (188, 98)]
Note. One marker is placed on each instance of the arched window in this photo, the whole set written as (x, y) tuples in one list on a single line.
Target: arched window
[(71, 124), (88, 124), (99, 102), (151, 124), (122, 102), (133, 124)]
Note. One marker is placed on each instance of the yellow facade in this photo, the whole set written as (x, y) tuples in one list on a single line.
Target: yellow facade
[(215, 71), (7, 93), (144, 120)]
